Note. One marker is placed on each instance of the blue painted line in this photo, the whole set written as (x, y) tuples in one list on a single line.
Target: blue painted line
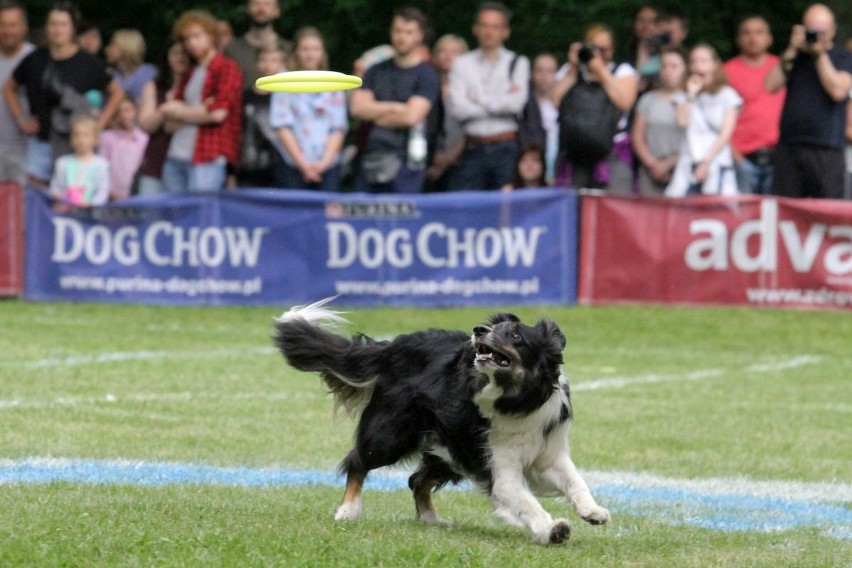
[(731, 513), (721, 512)]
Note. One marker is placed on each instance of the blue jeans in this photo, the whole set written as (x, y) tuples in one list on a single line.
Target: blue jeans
[(484, 166), (752, 178), (39, 159), (183, 175)]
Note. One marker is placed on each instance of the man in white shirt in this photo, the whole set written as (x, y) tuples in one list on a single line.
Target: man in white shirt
[(488, 89), (13, 48)]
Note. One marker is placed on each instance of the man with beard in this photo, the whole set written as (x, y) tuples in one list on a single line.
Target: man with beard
[(396, 98), (261, 33)]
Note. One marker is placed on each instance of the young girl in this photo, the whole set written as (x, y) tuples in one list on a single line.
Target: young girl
[(82, 178), (529, 169), (123, 146), (656, 135), (310, 126), (708, 110)]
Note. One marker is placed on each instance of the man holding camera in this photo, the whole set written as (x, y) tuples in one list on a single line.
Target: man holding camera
[(809, 159)]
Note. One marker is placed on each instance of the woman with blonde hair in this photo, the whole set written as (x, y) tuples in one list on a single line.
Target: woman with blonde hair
[(310, 126), (708, 110), (126, 55)]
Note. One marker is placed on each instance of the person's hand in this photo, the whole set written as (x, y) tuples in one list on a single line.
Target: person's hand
[(694, 85), (28, 125), (596, 65), (701, 171), (310, 172), (219, 115), (573, 58), (660, 171), (172, 109), (797, 39)]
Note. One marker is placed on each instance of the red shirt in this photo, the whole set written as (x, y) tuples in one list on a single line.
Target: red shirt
[(223, 89), (759, 120)]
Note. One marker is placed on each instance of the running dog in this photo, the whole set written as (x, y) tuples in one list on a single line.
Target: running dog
[(492, 407)]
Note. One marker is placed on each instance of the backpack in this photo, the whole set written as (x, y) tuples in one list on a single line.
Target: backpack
[(588, 122)]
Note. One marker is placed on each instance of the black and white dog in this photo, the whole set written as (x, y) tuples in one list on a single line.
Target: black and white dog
[(493, 407)]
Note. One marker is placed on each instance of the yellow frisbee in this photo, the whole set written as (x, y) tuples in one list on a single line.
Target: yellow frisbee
[(308, 82)]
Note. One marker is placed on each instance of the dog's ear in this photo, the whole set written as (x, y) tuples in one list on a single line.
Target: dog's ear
[(502, 316), (550, 330)]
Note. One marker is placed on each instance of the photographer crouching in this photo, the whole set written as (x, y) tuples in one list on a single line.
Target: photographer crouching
[(809, 160)]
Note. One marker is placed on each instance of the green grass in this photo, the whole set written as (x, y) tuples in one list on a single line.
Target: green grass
[(201, 385)]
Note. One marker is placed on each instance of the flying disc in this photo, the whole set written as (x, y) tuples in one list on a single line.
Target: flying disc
[(308, 82)]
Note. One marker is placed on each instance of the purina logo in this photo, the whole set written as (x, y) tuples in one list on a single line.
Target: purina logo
[(371, 210), (714, 249)]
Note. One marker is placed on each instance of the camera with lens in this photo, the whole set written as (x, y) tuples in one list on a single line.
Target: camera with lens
[(811, 36), (586, 53)]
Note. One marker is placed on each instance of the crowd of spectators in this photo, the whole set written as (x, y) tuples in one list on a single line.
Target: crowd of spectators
[(91, 123)]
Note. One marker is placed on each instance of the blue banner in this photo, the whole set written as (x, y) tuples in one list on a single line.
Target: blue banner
[(290, 247)]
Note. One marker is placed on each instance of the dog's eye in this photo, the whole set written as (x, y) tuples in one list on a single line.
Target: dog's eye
[(516, 336)]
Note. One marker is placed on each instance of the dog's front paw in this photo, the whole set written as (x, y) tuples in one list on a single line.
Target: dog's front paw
[(348, 512), (433, 518), (560, 531), (596, 515)]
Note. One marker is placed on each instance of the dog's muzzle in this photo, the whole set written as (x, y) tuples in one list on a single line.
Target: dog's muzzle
[(487, 354)]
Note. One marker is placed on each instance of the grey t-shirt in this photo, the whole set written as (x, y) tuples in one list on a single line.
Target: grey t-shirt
[(662, 134), (182, 145), (11, 138)]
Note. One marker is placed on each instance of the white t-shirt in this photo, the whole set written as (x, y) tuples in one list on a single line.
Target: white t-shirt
[(702, 131)]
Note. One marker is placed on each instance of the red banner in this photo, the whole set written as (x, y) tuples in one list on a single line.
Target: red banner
[(719, 250), (11, 240)]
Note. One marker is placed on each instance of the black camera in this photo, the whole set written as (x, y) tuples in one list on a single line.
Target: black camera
[(811, 36), (586, 53), (660, 41)]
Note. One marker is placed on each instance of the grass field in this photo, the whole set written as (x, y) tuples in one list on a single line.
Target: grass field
[(154, 436)]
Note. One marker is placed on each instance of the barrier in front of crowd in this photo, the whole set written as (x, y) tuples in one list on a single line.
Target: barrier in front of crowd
[(11, 239), (744, 250), (290, 247), (277, 247)]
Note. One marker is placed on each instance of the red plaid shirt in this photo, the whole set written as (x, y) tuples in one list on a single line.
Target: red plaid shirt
[(223, 89)]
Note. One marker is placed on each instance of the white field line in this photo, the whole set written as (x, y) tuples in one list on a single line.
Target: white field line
[(122, 356), (698, 375), (142, 398), (592, 385), (796, 491)]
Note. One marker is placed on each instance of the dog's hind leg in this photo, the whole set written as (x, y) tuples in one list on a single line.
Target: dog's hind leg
[(433, 473), (350, 508)]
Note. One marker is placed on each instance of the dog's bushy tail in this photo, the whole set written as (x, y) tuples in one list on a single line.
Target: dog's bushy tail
[(308, 338)]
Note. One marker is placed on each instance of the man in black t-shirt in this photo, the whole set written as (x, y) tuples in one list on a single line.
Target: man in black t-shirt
[(809, 160), (396, 98)]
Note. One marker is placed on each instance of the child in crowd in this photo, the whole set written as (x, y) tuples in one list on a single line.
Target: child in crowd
[(530, 169), (123, 146), (81, 179), (310, 126), (656, 136), (708, 110)]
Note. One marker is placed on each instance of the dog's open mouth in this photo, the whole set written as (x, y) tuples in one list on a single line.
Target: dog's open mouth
[(487, 354)]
